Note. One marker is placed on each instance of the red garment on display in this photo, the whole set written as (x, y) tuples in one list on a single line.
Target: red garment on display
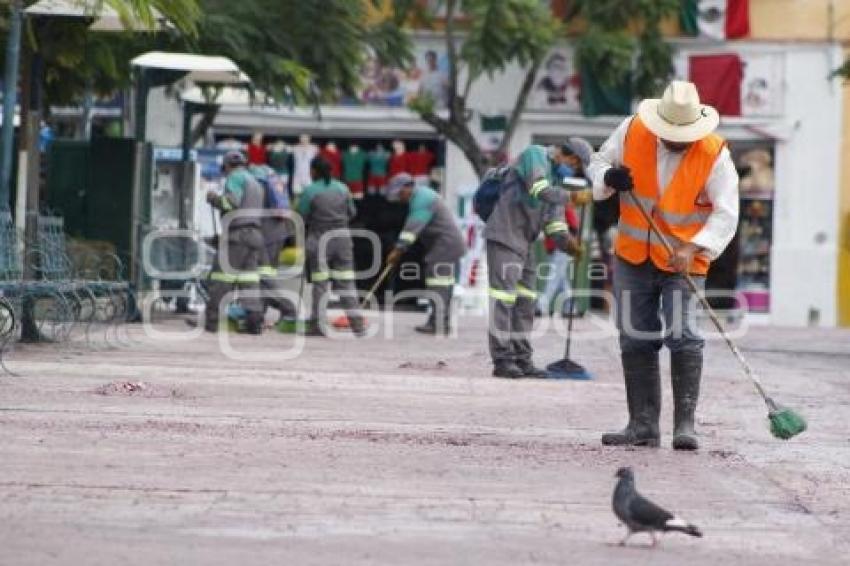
[(334, 158), (377, 181), (718, 79), (399, 163), (420, 162), (257, 154)]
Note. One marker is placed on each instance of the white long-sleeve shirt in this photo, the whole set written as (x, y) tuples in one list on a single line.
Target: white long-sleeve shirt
[(721, 189)]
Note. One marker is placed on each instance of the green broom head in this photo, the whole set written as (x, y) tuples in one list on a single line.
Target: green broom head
[(290, 326), (784, 422)]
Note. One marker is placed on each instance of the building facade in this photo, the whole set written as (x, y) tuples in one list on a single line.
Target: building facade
[(786, 119)]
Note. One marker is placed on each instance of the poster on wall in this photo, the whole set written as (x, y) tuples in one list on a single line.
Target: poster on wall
[(558, 86), (383, 85)]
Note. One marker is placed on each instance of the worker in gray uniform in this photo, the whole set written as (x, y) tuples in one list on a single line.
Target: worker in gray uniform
[(326, 205), (430, 222), (528, 203), (243, 241), (274, 226)]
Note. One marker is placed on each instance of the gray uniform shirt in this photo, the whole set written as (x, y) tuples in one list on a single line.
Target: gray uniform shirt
[(518, 217), (430, 221), (242, 192)]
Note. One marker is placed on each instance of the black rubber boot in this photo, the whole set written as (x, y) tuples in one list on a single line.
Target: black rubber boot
[(530, 370), (437, 311), (429, 327), (357, 325), (254, 323), (507, 369), (312, 328), (686, 370), (643, 397)]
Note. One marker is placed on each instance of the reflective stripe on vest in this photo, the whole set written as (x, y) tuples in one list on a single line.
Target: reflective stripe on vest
[(676, 212), (502, 296)]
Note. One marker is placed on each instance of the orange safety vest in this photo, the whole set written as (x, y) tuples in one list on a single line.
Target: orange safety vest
[(680, 212)]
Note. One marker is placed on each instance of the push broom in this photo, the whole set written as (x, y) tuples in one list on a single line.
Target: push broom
[(785, 423), (567, 368), (341, 321)]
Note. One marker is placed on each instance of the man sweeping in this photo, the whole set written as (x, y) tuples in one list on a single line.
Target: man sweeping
[(666, 159), (430, 222), (528, 203), (243, 242)]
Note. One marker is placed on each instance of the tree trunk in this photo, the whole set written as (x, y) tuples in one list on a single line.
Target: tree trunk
[(519, 106)]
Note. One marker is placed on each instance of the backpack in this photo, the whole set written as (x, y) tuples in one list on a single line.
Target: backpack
[(488, 192), (274, 189)]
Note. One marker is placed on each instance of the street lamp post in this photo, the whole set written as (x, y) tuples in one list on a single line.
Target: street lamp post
[(10, 91)]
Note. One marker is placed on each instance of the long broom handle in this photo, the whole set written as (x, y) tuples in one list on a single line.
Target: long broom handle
[(711, 314), (377, 284), (574, 284)]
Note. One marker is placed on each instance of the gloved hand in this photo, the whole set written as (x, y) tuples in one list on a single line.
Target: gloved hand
[(573, 247), (682, 257), (619, 178), (212, 198), (581, 198), (394, 256)]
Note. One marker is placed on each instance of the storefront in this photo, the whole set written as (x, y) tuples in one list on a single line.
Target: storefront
[(786, 266)]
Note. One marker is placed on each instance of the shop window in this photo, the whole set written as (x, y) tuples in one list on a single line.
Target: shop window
[(756, 168)]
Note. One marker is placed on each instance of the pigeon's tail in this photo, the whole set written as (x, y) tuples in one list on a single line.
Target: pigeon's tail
[(682, 526)]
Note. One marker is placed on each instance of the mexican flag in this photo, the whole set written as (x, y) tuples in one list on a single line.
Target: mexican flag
[(716, 19)]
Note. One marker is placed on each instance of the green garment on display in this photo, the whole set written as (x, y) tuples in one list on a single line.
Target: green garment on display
[(279, 161), (353, 166), (379, 163)]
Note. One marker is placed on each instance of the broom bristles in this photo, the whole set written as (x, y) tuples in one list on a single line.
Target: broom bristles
[(785, 423)]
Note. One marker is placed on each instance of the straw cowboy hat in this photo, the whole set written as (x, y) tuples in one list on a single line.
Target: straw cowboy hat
[(678, 116)]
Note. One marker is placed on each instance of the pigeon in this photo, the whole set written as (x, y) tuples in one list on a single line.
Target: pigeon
[(641, 515)]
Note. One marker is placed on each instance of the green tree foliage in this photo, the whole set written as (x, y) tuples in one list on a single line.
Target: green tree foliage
[(299, 49), (482, 38), (623, 40), (843, 70), (76, 59), (622, 43)]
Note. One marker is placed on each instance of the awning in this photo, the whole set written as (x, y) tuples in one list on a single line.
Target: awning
[(105, 18), (197, 68)]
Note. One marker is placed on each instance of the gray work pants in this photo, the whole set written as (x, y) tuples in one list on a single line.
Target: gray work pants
[(338, 267), (512, 281), (244, 250)]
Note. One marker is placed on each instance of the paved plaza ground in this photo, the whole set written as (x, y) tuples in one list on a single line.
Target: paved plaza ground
[(404, 451)]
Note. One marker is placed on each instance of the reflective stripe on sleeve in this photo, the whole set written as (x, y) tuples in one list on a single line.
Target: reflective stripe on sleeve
[(408, 237), (553, 227), (342, 274), (538, 187), (320, 276)]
